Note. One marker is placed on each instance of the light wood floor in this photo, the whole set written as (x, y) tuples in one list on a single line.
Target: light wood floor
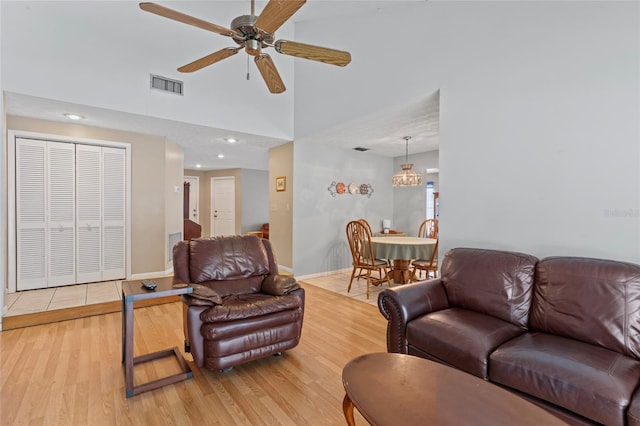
[(70, 372)]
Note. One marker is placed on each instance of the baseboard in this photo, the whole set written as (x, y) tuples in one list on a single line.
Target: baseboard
[(322, 274), (284, 268), (148, 275)]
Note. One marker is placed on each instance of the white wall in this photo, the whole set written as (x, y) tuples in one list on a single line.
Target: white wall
[(3, 201), (410, 204), (38, 53), (539, 104), (319, 223)]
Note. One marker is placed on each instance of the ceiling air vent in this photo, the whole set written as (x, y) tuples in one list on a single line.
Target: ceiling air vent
[(361, 149), (166, 84)]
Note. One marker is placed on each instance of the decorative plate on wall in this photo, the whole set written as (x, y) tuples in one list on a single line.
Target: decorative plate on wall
[(353, 189)]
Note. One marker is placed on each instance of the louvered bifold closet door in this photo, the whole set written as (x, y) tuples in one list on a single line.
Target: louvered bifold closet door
[(113, 219), (61, 181), (89, 213), (31, 218)]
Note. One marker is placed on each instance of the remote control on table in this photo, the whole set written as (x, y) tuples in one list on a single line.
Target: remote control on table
[(149, 284)]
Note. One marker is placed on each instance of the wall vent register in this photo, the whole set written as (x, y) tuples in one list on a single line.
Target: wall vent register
[(166, 84)]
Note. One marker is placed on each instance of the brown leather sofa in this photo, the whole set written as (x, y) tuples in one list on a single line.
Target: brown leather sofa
[(563, 332), (241, 309)]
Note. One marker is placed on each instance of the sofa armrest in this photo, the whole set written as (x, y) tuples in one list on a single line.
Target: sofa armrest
[(399, 305), (201, 296), (279, 285)]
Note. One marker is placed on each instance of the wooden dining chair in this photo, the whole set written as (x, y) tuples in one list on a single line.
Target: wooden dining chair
[(359, 239), (426, 265), (366, 225), (362, 273), (428, 229)]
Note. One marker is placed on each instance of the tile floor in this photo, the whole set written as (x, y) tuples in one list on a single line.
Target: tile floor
[(47, 299), (27, 302), (339, 281)]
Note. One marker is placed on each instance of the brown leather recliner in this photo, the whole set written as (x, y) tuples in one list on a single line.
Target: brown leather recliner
[(241, 308)]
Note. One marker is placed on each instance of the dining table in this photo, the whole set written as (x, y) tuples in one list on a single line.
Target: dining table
[(402, 250)]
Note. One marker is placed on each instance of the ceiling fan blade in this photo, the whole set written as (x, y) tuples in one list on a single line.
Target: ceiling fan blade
[(314, 53), (209, 59), (276, 13), (269, 73), (186, 19)]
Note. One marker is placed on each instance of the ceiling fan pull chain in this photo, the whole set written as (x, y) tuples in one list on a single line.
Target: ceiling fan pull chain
[(247, 68)]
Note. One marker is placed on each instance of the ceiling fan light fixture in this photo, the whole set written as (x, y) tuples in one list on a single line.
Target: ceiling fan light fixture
[(252, 47), (406, 176), (72, 116)]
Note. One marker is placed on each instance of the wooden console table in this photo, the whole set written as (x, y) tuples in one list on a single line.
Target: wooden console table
[(132, 291)]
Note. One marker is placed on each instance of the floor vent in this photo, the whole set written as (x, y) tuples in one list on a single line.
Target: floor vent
[(166, 84), (172, 240), (359, 148)]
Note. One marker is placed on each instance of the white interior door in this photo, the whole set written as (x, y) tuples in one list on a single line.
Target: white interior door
[(70, 213), (113, 213), (45, 187), (223, 206), (31, 214), (89, 213), (61, 182), (194, 197)]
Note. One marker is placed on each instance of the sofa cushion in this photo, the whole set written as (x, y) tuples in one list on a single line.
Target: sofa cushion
[(497, 283), (244, 306), (589, 380), (460, 337), (592, 300), (633, 413), (227, 258)]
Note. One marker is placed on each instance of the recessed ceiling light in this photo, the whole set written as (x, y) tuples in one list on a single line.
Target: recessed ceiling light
[(72, 116), (220, 155), (198, 166), (231, 140)]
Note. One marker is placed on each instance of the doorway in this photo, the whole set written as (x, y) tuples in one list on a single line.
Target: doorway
[(223, 206), (194, 198)]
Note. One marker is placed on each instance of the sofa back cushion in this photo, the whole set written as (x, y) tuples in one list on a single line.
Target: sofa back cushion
[(592, 300), (496, 283), (227, 258)]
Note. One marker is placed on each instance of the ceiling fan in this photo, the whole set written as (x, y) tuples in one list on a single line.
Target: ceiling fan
[(254, 33)]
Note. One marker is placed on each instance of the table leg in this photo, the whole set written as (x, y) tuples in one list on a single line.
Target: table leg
[(347, 408), (128, 347), (401, 273), (123, 310)]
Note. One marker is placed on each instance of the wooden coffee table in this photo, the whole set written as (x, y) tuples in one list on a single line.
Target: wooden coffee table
[(397, 389)]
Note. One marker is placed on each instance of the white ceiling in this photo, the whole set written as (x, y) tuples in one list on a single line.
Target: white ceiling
[(382, 132)]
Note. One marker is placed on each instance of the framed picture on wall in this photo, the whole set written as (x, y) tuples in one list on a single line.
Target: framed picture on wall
[(281, 183)]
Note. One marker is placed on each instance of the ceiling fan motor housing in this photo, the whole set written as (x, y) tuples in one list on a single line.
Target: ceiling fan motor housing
[(245, 25)]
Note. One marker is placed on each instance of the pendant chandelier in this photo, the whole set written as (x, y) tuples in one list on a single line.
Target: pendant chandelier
[(407, 177)]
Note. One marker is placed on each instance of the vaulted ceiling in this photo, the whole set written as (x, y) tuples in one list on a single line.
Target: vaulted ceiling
[(202, 143)]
